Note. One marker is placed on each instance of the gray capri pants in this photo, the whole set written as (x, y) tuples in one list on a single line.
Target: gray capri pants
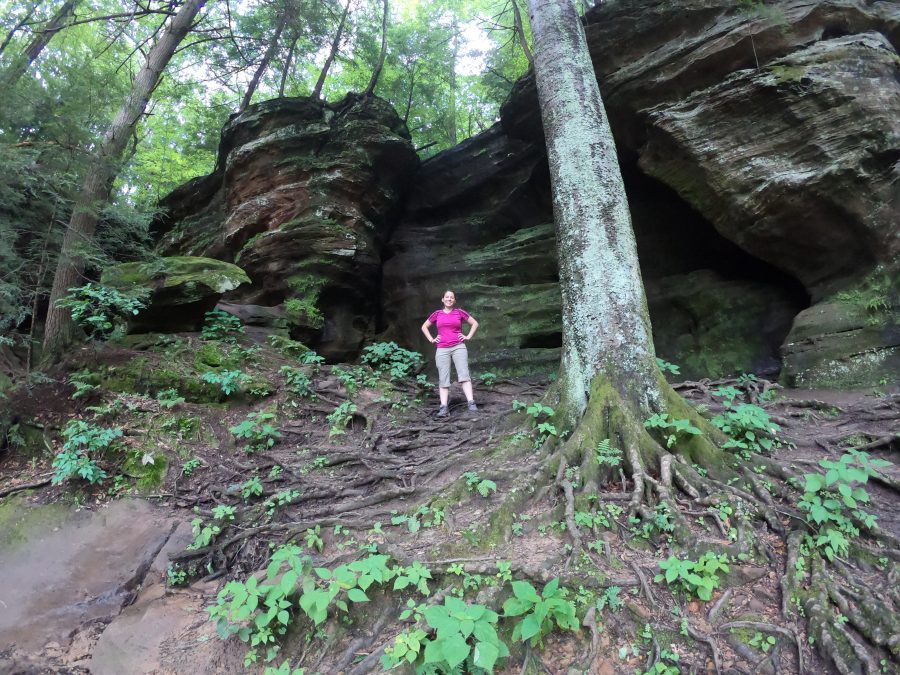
[(460, 356)]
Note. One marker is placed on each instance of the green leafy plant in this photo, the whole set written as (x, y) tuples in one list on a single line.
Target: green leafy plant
[(667, 367), (539, 612), (101, 311), (610, 598), (222, 326), (257, 429), (314, 539), (424, 516), (205, 533), (474, 482), (298, 382), (229, 381), (463, 634), (671, 427), (190, 466), (488, 379), (169, 398), (834, 500), (341, 417), (748, 428), (175, 575), (764, 643), (311, 358), (252, 487), (83, 441), (698, 578), (390, 358), (607, 455), (81, 381), (415, 576)]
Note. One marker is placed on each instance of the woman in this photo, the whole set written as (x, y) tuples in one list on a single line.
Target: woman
[(451, 345)]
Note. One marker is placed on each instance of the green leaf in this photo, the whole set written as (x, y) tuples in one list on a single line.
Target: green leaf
[(551, 588), (530, 627), (455, 649), (486, 655), (814, 482), (357, 595), (525, 591)]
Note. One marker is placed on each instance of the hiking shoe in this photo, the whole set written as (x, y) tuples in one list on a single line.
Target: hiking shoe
[(442, 411), (472, 406)]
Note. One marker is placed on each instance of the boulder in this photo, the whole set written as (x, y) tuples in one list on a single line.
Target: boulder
[(302, 198), (851, 339), (795, 162), (179, 289)]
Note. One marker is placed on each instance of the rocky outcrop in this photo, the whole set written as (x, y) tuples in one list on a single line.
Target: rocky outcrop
[(302, 199), (759, 148), (177, 290), (850, 339), (797, 162)]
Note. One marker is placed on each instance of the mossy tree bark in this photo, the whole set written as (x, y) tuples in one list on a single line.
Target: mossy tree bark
[(609, 381), (99, 177), (606, 325)]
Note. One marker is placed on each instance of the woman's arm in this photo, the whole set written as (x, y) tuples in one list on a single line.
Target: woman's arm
[(473, 326), (426, 332)]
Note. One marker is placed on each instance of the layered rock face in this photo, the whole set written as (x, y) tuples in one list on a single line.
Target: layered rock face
[(760, 151), (301, 200)]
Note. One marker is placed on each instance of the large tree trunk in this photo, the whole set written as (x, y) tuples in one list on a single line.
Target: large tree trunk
[(376, 72), (335, 45), (264, 64), (36, 46), (100, 175), (606, 326)]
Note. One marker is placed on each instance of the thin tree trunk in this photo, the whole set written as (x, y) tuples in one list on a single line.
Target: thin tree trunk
[(606, 326), (287, 67), (267, 58), (409, 97), (451, 129), (335, 45), (100, 174), (22, 22), (36, 46), (520, 32), (376, 73)]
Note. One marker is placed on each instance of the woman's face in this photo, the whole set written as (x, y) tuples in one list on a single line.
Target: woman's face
[(449, 299)]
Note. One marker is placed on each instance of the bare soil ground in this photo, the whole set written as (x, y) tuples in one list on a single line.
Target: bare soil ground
[(395, 478)]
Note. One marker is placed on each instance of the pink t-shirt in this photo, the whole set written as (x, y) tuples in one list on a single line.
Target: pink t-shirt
[(449, 326)]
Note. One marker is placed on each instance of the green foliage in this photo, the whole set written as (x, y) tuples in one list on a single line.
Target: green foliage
[(169, 398), (667, 367), (341, 417), (390, 358), (190, 466), (483, 486), (488, 379), (221, 326), (288, 347), (252, 488), (82, 381), (463, 634), (83, 441), (673, 427), (100, 311), (311, 358), (748, 428), (415, 576), (424, 516), (761, 642), (204, 533), (698, 578), (661, 523), (540, 415), (539, 612), (298, 381), (610, 598), (663, 668), (260, 612), (257, 429), (607, 455), (833, 500), (229, 381)]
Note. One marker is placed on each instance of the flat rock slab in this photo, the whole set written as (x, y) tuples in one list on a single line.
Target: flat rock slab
[(63, 568)]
